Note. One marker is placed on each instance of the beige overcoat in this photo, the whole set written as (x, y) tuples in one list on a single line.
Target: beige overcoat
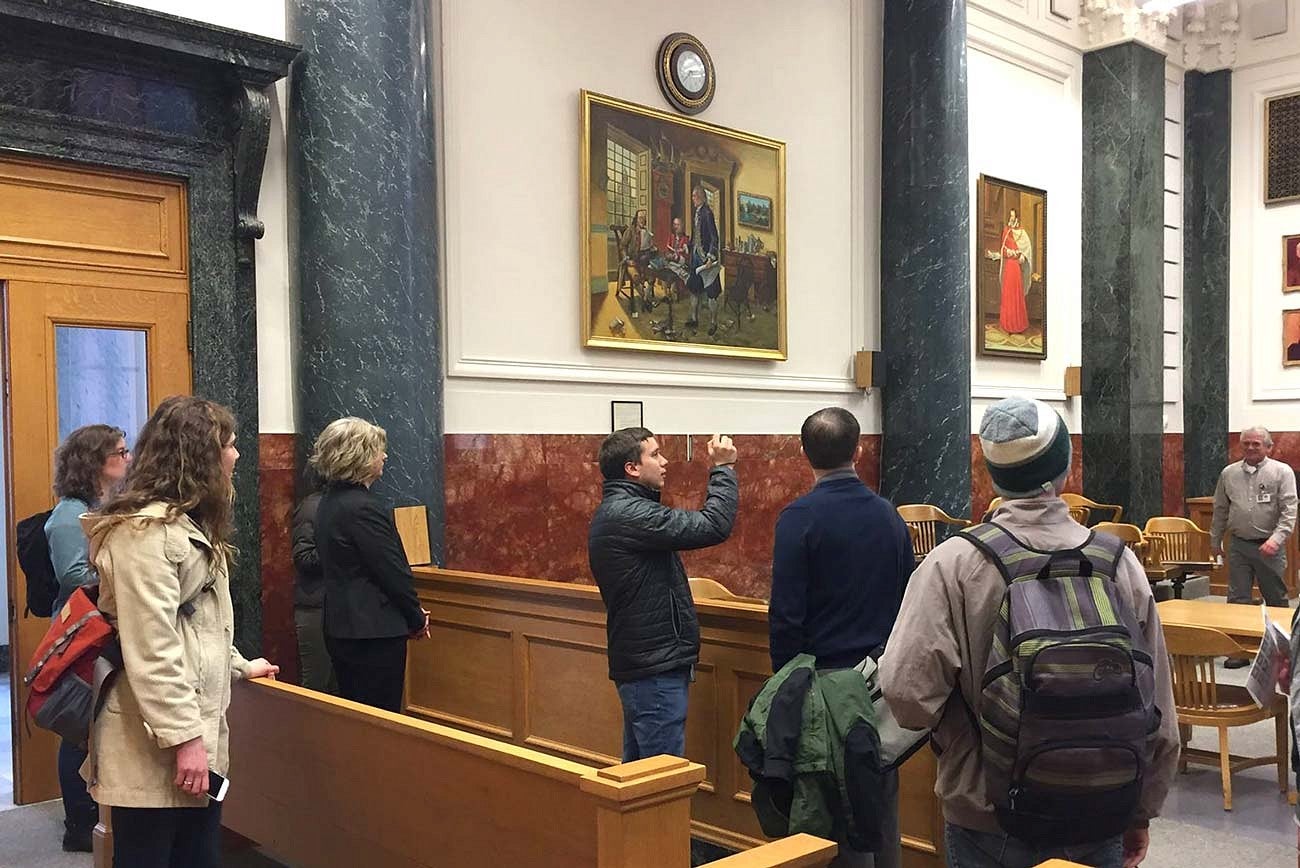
[(175, 684)]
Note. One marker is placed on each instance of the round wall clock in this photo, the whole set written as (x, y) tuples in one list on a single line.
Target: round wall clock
[(686, 74)]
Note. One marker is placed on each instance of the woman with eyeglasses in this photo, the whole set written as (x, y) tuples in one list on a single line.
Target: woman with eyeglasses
[(88, 465)]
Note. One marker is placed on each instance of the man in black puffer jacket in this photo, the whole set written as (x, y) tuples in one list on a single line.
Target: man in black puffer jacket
[(654, 635)]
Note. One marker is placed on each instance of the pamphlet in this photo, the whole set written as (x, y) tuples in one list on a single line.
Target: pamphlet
[(1274, 647)]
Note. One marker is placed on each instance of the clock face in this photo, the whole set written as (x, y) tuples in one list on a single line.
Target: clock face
[(691, 73)]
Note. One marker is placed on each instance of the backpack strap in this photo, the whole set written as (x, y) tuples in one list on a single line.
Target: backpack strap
[(1099, 553), (1105, 551), (1013, 558)]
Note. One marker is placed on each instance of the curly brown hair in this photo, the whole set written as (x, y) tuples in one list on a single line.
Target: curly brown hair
[(79, 461), (178, 462)]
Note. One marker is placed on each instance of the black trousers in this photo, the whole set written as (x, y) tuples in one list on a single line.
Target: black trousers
[(167, 837), (370, 671), (80, 813)]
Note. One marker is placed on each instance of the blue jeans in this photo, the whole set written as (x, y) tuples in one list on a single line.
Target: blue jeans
[(654, 715), (970, 849)]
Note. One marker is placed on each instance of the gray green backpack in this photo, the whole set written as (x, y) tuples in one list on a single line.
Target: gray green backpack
[(1067, 713)]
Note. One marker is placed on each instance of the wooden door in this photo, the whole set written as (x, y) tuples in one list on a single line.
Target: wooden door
[(94, 275)]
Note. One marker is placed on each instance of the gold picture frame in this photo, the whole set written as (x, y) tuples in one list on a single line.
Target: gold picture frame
[(647, 287), (1290, 338), (1011, 307), (1291, 263)]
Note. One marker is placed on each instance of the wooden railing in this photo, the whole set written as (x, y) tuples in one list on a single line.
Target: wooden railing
[(524, 661), (320, 782)]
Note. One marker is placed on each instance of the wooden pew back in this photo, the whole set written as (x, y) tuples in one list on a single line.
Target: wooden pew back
[(320, 781), (326, 783), (541, 645)]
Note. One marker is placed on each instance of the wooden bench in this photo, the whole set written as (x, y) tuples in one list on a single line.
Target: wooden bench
[(524, 661), (319, 781)]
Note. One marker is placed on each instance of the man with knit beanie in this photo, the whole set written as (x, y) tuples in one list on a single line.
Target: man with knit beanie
[(937, 654)]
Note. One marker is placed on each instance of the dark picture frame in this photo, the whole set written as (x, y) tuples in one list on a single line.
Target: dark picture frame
[(626, 414), (754, 211)]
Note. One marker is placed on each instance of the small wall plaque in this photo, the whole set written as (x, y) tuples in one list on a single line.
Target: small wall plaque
[(625, 414)]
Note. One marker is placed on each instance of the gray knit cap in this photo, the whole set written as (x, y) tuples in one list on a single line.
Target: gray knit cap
[(1026, 446)]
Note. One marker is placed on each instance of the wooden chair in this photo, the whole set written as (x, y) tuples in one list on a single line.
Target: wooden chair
[(1080, 514), (711, 589), (993, 504), (1182, 539), (1130, 534), (1200, 701), (1079, 500), (925, 519)]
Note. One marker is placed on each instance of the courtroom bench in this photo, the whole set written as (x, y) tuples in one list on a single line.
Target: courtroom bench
[(524, 661), (322, 782)]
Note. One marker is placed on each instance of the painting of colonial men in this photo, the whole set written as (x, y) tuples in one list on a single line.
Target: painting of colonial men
[(1291, 263), (1290, 338), (1011, 285), (664, 266)]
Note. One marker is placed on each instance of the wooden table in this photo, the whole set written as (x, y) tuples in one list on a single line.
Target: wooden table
[(1238, 621)]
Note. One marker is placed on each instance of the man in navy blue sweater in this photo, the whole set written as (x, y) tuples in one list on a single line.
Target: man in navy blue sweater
[(840, 563)]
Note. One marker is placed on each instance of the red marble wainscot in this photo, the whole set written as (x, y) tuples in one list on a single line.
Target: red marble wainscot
[(521, 504), (1173, 483), (277, 477), (496, 505)]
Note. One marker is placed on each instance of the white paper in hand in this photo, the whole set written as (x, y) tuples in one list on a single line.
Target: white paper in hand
[(1261, 683)]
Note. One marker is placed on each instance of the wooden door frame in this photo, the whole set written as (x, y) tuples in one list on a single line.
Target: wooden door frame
[(215, 141)]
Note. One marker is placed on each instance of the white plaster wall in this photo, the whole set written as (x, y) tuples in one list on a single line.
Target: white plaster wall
[(274, 307), (1026, 125), (511, 77), (1260, 390), (1173, 265)]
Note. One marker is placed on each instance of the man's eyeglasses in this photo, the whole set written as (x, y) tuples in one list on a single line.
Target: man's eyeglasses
[(121, 453)]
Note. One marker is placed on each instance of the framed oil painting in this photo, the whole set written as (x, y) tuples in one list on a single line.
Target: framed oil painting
[(1010, 270), (666, 266), (1291, 263), (754, 211), (1290, 338)]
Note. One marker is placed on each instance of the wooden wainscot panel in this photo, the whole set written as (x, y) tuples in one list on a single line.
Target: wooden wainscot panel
[(78, 218), (322, 782), (466, 680), (572, 708), (564, 704)]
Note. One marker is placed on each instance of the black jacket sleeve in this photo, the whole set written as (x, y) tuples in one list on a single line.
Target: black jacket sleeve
[(380, 548), (656, 527), (305, 556), (785, 724)]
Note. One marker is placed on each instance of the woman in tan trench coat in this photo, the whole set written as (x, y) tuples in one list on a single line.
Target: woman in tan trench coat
[(161, 547)]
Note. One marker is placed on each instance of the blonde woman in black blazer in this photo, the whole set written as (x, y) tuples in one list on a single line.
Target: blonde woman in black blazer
[(371, 609)]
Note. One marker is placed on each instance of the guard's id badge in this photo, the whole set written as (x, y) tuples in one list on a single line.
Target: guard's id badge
[(1264, 497)]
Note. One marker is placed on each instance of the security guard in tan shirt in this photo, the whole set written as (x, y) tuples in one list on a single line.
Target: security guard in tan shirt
[(1255, 502)]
